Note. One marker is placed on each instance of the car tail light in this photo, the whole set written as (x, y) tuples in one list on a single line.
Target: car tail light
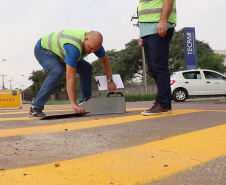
[(172, 82)]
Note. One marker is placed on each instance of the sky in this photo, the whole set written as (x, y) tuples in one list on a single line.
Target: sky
[(24, 22)]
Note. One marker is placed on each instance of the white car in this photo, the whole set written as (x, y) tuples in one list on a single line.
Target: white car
[(197, 82)]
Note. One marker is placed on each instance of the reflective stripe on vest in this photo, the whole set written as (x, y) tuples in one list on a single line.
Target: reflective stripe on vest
[(50, 41), (73, 38), (145, 0), (59, 45), (156, 10)]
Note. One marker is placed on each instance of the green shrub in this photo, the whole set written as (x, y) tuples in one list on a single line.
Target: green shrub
[(139, 97), (128, 98), (57, 102)]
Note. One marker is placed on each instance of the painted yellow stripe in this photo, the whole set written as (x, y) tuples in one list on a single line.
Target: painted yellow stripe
[(129, 166), (56, 110), (26, 112), (133, 109), (48, 107), (28, 118), (82, 124), (216, 110)]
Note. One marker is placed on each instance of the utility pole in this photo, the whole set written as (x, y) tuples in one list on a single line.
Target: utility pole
[(144, 71), (10, 83), (22, 92), (143, 62), (3, 87)]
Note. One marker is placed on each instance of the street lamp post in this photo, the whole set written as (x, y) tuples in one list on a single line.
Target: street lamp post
[(10, 81), (144, 71), (25, 76), (3, 60), (22, 92), (3, 87), (22, 87), (143, 62)]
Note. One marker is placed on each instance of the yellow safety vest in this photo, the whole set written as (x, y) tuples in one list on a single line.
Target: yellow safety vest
[(151, 10), (55, 41)]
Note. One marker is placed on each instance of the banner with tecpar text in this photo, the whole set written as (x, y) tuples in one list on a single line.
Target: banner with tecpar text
[(190, 48)]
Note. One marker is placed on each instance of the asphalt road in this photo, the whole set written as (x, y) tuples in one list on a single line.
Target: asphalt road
[(183, 148)]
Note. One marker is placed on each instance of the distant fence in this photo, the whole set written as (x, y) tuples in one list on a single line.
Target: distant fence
[(133, 89)]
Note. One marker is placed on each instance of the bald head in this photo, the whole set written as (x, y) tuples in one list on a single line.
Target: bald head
[(93, 41), (95, 36)]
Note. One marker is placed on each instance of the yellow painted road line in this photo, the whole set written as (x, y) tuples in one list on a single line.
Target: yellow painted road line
[(28, 108), (128, 166), (216, 110), (28, 118), (82, 124), (23, 112), (58, 110)]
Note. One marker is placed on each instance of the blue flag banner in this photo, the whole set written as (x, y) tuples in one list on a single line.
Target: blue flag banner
[(190, 48)]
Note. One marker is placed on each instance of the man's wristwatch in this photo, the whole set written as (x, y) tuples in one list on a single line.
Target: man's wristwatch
[(110, 80)]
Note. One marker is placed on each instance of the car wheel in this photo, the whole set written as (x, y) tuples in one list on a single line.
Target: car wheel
[(179, 95)]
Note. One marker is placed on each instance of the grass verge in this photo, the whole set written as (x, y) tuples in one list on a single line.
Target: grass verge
[(128, 98)]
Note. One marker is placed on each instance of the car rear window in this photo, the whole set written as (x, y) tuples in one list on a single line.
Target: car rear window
[(192, 75), (212, 75)]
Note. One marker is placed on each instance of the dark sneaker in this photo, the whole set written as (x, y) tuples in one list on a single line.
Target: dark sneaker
[(83, 101), (36, 113), (156, 109)]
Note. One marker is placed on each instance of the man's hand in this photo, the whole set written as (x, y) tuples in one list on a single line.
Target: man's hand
[(108, 71), (140, 42), (166, 11), (162, 28), (78, 109), (71, 84), (112, 87)]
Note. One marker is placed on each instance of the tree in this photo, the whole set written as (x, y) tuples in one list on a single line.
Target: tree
[(98, 69), (213, 62), (28, 94), (206, 58), (177, 53), (38, 78), (128, 63)]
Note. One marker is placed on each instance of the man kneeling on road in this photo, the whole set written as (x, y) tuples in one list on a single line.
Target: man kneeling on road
[(65, 50)]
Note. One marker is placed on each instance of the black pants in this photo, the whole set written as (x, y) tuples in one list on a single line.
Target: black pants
[(156, 50)]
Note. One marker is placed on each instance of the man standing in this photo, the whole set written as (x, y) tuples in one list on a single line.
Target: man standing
[(65, 50), (157, 19)]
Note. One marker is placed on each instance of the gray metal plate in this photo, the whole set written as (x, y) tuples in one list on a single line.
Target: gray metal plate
[(106, 105)]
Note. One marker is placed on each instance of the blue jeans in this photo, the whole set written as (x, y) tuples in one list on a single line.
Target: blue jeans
[(156, 50), (51, 64)]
